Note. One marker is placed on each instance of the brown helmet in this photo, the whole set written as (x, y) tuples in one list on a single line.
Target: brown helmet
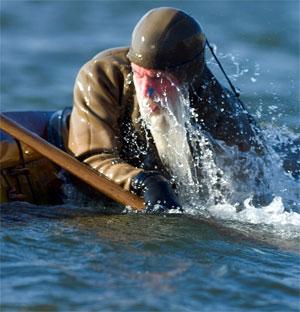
[(165, 39)]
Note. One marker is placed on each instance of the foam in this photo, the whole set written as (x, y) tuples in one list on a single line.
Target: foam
[(274, 213)]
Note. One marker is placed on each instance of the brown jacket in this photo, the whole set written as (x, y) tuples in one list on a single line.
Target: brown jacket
[(105, 127)]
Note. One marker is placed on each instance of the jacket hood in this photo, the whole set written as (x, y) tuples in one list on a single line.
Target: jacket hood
[(166, 38)]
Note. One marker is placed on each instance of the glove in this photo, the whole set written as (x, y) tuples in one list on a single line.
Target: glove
[(157, 191)]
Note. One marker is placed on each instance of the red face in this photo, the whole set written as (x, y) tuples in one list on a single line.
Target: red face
[(153, 85)]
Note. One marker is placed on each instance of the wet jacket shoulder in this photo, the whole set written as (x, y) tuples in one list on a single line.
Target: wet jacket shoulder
[(101, 100), (223, 115)]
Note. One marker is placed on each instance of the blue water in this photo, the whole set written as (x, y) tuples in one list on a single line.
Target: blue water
[(74, 258)]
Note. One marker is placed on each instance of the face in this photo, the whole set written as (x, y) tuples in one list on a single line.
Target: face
[(155, 89), (160, 101)]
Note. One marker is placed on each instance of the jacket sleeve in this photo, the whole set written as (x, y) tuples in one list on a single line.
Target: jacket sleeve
[(94, 123)]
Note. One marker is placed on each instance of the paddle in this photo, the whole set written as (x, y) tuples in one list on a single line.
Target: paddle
[(70, 164)]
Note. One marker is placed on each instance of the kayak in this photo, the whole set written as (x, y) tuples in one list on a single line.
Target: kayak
[(25, 174)]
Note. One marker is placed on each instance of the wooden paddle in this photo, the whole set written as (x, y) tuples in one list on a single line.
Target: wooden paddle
[(70, 164)]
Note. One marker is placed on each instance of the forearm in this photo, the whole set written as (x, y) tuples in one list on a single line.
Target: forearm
[(114, 168)]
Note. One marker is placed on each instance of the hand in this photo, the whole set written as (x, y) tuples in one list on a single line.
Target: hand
[(157, 191)]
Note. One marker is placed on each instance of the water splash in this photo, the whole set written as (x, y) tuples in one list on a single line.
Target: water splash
[(241, 186)]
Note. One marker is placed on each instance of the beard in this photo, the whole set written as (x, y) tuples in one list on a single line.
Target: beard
[(167, 127)]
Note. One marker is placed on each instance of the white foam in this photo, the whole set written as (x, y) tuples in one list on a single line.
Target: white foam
[(274, 213)]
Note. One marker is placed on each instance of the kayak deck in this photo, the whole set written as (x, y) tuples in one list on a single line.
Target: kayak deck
[(25, 174)]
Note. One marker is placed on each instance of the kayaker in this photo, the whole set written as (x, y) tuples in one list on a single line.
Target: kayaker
[(119, 116)]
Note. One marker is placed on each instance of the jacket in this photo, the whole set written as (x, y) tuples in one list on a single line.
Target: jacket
[(105, 126)]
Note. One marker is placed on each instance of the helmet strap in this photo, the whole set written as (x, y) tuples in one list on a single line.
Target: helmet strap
[(234, 90)]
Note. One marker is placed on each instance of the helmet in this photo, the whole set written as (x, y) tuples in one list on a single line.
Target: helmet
[(166, 38)]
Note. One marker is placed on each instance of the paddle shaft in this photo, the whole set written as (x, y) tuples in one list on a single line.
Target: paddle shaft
[(70, 164)]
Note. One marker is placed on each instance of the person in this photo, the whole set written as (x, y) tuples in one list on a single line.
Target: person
[(124, 97)]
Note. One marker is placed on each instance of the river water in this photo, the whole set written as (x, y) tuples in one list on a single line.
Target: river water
[(216, 258)]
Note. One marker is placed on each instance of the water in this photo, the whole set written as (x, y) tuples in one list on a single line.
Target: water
[(73, 258)]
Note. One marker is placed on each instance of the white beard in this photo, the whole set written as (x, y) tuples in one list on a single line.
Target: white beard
[(170, 137)]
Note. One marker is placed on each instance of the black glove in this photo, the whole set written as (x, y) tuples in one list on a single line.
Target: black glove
[(157, 191)]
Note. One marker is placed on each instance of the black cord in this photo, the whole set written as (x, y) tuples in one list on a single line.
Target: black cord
[(234, 90)]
